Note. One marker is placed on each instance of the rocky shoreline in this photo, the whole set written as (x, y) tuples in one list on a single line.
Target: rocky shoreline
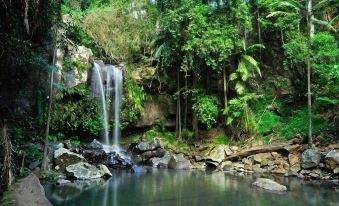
[(290, 159)]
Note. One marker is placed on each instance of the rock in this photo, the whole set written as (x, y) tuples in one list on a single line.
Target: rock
[(179, 162), (332, 159), (30, 192), (198, 165), (118, 160), (216, 155), (95, 144), (34, 165), (234, 148), (156, 110), (149, 154), (262, 158), (226, 166), (138, 169), (268, 184), (294, 169), (310, 158), (336, 171), (154, 162), (62, 182), (293, 159), (85, 171), (104, 171), (94, 156), (63, 158), (143, 146)]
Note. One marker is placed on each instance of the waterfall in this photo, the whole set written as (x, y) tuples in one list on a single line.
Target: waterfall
[(107, 87)]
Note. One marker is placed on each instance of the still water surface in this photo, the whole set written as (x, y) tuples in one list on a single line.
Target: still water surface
[(185, 188)]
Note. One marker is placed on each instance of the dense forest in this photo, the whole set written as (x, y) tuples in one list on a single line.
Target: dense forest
[(196, 73)]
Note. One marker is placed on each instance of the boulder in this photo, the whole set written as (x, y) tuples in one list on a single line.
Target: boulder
[(85, 171), (95, 144), (94, 156), (310, 158), (294, 159), (216, 155), (332, 159), (144, 146), (30, 192), (294, 169), (62, 182), (63, 158), (262, 158), (226, 166), (138, 169), (118, 160), (179, 162), (157, 110), (154, 162), (269, 184)]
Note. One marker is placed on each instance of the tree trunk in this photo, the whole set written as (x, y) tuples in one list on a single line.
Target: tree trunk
[(309, 94), (45, 154), (287, 147), (225, 87), (195, 125), (186, 101), (8, 157), (178, 116)]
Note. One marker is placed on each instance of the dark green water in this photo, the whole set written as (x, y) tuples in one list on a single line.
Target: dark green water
[(184, 188)]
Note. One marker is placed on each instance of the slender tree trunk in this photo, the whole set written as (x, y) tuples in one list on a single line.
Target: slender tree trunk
[(195, 126), (8, 157), (186, 101), (225, 87), (309, 94), (178, 116), (45, 154)]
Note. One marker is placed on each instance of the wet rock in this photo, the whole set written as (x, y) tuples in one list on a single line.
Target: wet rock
[(154, 162), (226, 166), (144, 146), (63, 158), (294, 169), (118, 161), (310, 158), (138, 169), (95, 144), (62, 182), (155, 153), (269, 184), (104, 171), (332, 159), (179, 162), (85, 171), (94, 156), (336, 171), (30, 193)]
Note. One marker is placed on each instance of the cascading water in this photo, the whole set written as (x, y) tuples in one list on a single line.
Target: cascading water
[(110, 96)]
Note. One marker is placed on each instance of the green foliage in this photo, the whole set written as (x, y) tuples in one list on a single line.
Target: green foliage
[(222, 139), (132, 105), (76, 114), (187, 134), (239, 113), (206, 108), (325, 63), (297, 124)]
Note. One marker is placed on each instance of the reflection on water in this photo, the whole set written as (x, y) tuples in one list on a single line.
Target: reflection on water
[(182, 188)]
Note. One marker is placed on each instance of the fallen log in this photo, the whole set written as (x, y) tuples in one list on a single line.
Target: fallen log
[(285, 147)]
